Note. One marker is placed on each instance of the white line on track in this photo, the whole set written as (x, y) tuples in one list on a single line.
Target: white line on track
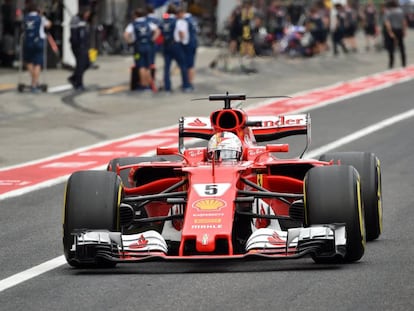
[(31, 273), (59, 261), (60, 88), (361, 133)]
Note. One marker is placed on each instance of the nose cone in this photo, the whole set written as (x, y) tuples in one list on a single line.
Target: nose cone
[(205, 244)]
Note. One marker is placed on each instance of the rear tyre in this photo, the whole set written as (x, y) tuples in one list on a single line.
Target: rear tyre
[(368, 167), (91, 202), (333, 195)]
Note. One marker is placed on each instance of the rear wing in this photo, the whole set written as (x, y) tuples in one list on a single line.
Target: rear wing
[(264, 128)]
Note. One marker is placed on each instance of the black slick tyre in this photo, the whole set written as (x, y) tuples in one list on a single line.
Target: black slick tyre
[(92, 200), (333, 195), (368, 167)]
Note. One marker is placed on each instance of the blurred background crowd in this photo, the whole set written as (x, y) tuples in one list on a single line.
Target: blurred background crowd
[(291, 27)]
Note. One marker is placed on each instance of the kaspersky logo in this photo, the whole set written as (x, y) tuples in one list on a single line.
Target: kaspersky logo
[(209, 204)]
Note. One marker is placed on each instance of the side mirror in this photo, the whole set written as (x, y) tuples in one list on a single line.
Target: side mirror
[(167, 150), (277, 148)]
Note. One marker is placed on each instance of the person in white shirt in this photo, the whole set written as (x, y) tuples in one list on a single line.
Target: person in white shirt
[(181, 32), (182, 37), (191, 48)]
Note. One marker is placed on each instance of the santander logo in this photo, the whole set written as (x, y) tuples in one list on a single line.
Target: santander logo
[(285, 121)]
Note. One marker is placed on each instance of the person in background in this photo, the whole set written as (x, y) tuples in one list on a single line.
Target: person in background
[(296, 12), (80, 44), (34, 43), (152, 18), (235, 30), (369, 21), (142, 33), (169, 52), (315, 25), (7, 41), (247, 17), (351, 27), (325, 12), (276, 17), (172, 48), (190, 49), (381, 18), (339, 29), (395, 31), (182, 38)]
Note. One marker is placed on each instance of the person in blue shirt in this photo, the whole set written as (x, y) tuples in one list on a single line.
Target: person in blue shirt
[(34, 43), (142, 33), (152, 18), (174, 40)]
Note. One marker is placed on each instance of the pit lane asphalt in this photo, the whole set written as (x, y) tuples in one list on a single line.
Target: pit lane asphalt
[(383, 280)]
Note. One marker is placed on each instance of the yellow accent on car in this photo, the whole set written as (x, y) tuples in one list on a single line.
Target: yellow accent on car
[(259, 180), (379, 195), (119, 204), (360, 213), (209, 204), (304, 203)]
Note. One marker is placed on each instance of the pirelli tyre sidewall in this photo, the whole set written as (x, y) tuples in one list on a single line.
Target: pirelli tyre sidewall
[(368, 167), (92, 200), (333, 195)]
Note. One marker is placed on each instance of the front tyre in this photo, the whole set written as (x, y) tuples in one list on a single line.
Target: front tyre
[(92, 200), (333, 195), (368, 167)]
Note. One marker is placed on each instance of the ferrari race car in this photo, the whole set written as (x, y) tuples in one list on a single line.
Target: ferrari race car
[(234, 198)]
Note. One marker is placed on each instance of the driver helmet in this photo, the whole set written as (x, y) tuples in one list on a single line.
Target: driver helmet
[(224, 146)]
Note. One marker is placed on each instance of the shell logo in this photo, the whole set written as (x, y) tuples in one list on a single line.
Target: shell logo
[(209, 204)]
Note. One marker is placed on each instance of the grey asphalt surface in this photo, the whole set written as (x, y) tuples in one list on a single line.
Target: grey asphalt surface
[(382, 280), (37, 125), (31, 224)]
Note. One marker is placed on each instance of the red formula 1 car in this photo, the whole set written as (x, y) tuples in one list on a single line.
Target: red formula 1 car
[(234, 198)]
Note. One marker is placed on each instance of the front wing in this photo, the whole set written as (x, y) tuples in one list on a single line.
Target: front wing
[(322, 241)]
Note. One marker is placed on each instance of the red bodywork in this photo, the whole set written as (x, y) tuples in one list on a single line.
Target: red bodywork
[(212, 187)]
